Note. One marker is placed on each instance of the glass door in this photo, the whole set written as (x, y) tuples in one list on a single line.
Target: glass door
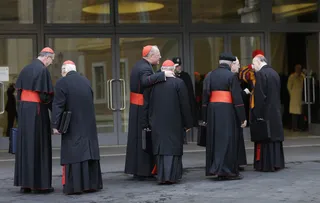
[(128, 54), (242, 45), (15, 53), (311, 83), (94, 59)]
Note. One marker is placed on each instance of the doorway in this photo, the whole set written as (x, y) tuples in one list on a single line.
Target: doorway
[(287, 51), (107, 62)]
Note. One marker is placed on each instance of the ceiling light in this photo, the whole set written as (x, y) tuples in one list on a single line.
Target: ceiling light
[(124, 7)]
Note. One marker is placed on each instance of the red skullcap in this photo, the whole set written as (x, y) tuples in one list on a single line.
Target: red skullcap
[(257, 52), (146, 50), (68, 62), (47, 50), (168, 63), (197, 73)]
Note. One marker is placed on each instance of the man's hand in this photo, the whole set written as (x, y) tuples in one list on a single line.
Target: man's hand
[(56, 132), (169, 74), (247, 91), (244, 124)]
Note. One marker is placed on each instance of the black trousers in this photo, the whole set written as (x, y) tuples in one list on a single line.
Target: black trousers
[(296, 121)]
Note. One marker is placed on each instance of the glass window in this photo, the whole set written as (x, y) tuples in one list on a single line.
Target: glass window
[(295, 11), (206, 51), (16, 11), (243, 46), (11, 50), (225, 11), (156, 11), (75, 11), (130, 53), (93, 58)]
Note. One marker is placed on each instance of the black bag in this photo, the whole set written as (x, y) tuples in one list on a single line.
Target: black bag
[(260, 131), (64, 122), (202, 136), (146, 141)]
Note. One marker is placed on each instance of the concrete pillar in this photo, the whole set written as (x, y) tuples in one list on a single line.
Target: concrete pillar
[(249, 14)]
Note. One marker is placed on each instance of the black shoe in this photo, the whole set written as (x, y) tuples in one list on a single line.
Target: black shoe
[(241, 168), (45, 191), (25, 190), (238, 177)]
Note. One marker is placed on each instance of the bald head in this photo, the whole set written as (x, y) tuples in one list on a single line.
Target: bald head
[(258, 62)]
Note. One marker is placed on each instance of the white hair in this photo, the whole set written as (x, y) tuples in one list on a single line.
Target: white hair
[(168, 68), (225, 61), (153, 50), (68, 67)]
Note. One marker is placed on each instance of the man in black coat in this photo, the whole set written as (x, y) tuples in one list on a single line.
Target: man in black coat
[(268, 155), (139, 162), (187, 80), (80, 156), (169, 116)]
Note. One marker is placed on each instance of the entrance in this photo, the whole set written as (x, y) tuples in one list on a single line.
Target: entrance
[(107, 62), (287, 51), (16, 52)]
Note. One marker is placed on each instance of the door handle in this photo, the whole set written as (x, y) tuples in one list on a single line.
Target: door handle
[(2, 98), (313, 91), (111, 97), (124, 94), (305, 89), (108, 94)]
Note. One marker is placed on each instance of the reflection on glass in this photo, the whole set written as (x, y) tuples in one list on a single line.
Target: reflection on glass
[(75, 11), (130, 53), (93, 58), (312, 79), (225, 11), (13, 49), (295, 11), (242, 47), (16, 11), (156, 11), (206, 54)]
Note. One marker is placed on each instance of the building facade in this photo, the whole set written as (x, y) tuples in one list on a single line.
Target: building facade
[(105, 38)]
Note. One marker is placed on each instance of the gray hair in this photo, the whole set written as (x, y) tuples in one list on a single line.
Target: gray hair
[(153, 50), (262, 58), (68, 67), (44, 54), (168, 68), (225, 61)]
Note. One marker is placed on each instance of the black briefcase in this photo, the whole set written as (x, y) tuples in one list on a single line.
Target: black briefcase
[(64, 122), (260, 131), (202, 135), (146, 141)]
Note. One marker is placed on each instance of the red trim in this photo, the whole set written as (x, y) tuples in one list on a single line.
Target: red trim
[(258, 152), (63, 180)]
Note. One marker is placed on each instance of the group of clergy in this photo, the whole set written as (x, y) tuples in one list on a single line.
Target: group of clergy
[(80, 156), (161, 112)]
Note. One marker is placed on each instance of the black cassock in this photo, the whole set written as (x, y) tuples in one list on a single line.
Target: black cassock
[(224, 109), (242, 155), (269, 156), (138, 161), (80, 156), (191, 96), (169, 115), (33, 164)]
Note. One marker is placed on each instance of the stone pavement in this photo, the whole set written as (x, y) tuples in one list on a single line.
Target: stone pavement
[(298, 183)]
